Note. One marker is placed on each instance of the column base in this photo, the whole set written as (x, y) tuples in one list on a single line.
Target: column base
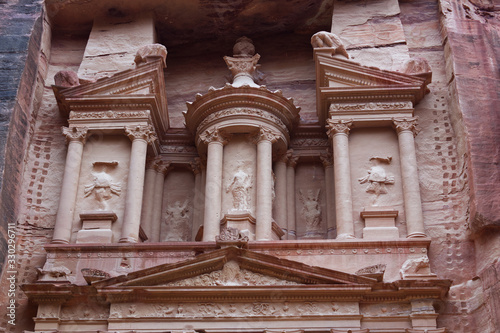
[(417, 235), (59, 241), (96, 227), (345, 236)]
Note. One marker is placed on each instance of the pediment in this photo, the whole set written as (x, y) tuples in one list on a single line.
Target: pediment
[(138, 89), (341, 80), (233, 267)]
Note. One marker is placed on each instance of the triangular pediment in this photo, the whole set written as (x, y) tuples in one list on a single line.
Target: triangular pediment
[(233, 266), (138, 89), (341, 80)]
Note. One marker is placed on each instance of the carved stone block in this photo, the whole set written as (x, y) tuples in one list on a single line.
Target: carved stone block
[(380, 223), (96, 227)]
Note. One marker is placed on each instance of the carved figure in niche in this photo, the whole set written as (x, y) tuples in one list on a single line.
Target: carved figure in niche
[(103, 186), (178, 221), (377, 177), (240, 189), (311, 210)]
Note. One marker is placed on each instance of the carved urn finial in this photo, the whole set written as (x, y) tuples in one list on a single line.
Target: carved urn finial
[(243, 48), (243, 64)]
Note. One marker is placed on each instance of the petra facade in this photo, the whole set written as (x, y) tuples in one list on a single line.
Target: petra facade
[(307, 170)]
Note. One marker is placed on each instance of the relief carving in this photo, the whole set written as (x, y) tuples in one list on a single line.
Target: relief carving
[(330, 40), (311, 210), (56, 273), (214, 135), (103, 186), (85, 311), (240, 190), (178, 221), (377, 177), (370, 106), (415, 266), (231, 275)]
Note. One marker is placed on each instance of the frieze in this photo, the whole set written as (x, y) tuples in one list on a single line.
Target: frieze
[(233, 310), (108, 115), (242, 111), (335, 107), (85, 311), (310, 142), (178, 149)]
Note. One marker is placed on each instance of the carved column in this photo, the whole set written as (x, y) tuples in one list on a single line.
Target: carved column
[(76, 137), (147, 200), (290, 194), (338, 131), (141, 136), (213, 186), (161, 170), (198, 195), (280, 212), (407, 130), (265, 140), (330, 205)]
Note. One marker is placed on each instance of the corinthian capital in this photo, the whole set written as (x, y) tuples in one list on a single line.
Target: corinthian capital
[(291, 159), (214, 135), (336, 126), (265, 134), (138, 132), (406, 124), (326, 159), (75, 133)]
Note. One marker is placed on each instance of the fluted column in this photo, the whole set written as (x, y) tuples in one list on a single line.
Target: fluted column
[(290, 194), (280, 190), (327, 161), (407, 130), (338, 131), (264, 218), (161, 170), (198, 194), (147, 199), (75, 137), (141, 136), (213, 186)]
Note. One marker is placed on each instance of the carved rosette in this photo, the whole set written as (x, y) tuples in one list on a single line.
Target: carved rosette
[(338, 126), (141, 132), (214, 135), (75, 133), (406, 124)]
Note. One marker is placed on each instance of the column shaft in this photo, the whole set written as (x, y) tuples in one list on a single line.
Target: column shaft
[(66, 210), (290, 195), (264, 219), (280, 200), (411, 187), (343, 194), (157, 205), (147, 201), (213, 191)]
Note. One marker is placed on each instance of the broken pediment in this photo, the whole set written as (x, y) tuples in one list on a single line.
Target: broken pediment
[(346, 89), (129, 95)]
